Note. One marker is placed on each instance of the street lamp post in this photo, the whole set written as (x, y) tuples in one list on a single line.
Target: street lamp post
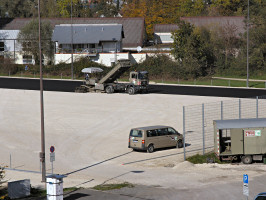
[(42, 153)]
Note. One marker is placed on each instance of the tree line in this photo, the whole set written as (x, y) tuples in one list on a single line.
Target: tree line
[(197, 51), (59, 8)]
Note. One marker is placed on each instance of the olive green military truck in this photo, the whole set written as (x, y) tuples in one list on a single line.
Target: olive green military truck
[(243, 139), (138, 81)]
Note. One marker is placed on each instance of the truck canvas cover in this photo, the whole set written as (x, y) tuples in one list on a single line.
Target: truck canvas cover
[(240, 123)]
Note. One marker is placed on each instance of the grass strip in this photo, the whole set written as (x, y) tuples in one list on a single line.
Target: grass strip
[(104, 187), (206, 158)]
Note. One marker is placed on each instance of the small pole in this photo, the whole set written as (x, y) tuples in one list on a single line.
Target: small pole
[(257, 107), (34, 74), (239, 108), (265, 84), (178, 82), (9, 73), (222, 105), (10, 165), (52, 167), (203, 134), (184, 135), (61, 76)]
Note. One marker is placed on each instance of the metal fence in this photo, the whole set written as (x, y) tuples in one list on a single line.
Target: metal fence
[(198, 120)]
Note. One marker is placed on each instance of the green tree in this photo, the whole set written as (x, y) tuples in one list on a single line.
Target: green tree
[(17, 8), (2, 175), (28, 37), (192, 51), (258, 36), (48, 8), (104, 9)]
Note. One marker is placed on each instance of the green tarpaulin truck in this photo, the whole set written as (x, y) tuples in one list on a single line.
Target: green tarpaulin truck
[(243, 139)]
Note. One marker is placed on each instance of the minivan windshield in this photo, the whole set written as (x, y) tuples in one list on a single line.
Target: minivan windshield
[(136, 133)]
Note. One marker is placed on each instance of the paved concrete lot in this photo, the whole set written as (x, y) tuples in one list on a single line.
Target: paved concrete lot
[(90, 135), (218, 191)]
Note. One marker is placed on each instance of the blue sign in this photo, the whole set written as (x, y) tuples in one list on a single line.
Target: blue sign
[(52, 149), (245, 178), (26, 67)]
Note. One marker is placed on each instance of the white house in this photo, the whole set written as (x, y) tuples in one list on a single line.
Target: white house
[(9, 47)]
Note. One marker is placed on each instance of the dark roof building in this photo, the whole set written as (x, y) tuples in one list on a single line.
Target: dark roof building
[(165, 28), (162, 33), (134, 28), (236, 22), (83, 33)]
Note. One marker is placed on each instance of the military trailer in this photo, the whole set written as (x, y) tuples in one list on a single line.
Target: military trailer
[(240, 139), (138, 81)]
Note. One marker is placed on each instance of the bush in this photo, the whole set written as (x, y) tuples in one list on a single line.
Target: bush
[(200, 159), (159, 66), (2, 175)]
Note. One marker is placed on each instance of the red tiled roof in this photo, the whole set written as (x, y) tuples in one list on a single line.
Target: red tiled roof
[(134, 28)]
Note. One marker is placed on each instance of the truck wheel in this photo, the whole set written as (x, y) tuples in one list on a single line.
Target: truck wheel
[(179, 144), (109, 89), (131, 91), (150, 148), (247, 159)]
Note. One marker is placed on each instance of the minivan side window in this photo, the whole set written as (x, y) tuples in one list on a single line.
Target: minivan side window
[(171, 131), (152, 133), (136, 133), (162, 131)]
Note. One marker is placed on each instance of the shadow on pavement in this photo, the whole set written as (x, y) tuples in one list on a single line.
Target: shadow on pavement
[(136, 172), (76, 196), (97, 164)]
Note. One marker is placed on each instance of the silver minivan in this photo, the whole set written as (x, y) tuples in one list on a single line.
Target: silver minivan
[(154, 137)]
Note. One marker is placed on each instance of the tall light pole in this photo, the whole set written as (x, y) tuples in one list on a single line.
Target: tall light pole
[(42, 153), (72, 74), (248, 46)]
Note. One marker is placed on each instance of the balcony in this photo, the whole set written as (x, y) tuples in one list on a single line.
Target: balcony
[(88, 51)]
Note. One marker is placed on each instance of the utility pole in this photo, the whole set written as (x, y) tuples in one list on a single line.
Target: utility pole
[(42, 153), (248, 46), (72, 74)]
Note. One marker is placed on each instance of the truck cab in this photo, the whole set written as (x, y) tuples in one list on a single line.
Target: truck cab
[(139, 78)]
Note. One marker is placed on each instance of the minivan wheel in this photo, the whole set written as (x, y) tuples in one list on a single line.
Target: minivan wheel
[(247, 159), (150, 148), (179, 144)]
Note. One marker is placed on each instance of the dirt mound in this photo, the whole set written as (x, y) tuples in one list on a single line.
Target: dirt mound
[(183, 165)]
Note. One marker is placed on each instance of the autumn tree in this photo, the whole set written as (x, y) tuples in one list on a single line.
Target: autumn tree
[(28, 37), (154, 12)]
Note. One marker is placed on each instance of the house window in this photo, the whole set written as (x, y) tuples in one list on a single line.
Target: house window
[(27, 59), (2, 46)]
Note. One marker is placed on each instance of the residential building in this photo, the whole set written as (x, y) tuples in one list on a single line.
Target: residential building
[(89, 39), (133, 30), (162, 33), (235, 24)]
